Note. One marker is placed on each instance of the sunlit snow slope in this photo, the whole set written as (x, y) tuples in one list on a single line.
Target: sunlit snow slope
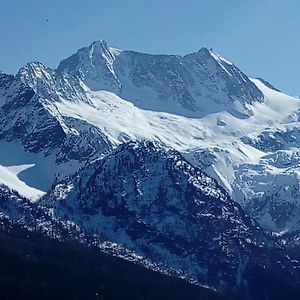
[(220, 140), (239, 130)]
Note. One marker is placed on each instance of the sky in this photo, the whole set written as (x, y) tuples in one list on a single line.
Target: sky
[(261, 37)]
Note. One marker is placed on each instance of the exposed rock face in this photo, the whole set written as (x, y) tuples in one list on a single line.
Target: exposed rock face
[(34, 120), (201, 82)]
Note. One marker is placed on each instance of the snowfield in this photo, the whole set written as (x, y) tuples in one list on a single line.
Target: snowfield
[(234, 161), (239, 130), (31, 175)]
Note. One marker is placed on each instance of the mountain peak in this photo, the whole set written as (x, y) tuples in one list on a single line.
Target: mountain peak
[(100, 44), (34, 66), (208, 52), (204, 50), (36, 76), (101, 47)]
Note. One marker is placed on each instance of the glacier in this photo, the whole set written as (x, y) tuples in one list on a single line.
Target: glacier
[(239, 130)]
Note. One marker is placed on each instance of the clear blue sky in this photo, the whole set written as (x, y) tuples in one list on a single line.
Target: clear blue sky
[(260, 36)]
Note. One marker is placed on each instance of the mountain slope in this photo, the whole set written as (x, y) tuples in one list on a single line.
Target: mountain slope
[(33, 266), (33, 217), (37, 143), (242, 131), (118, 150), (154, 202), (157, 205), (195, 85)]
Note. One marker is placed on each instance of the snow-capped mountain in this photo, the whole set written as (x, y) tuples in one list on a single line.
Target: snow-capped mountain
[(241, 131), (38, 145), (156, 203), (111, 148), (16, 209), (193, 85), (152, 201), (148, 205)]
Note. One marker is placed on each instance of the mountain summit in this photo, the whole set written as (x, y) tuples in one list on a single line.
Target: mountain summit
[(182, 164), (194, 85), (241, 131)]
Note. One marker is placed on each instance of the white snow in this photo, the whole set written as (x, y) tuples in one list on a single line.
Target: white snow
[(221, 62), (9, 177), (122, 120), (142, 113), (220, 58), (31, 175)]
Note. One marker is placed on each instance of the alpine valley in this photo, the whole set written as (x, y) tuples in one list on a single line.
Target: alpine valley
[(179, 171)]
